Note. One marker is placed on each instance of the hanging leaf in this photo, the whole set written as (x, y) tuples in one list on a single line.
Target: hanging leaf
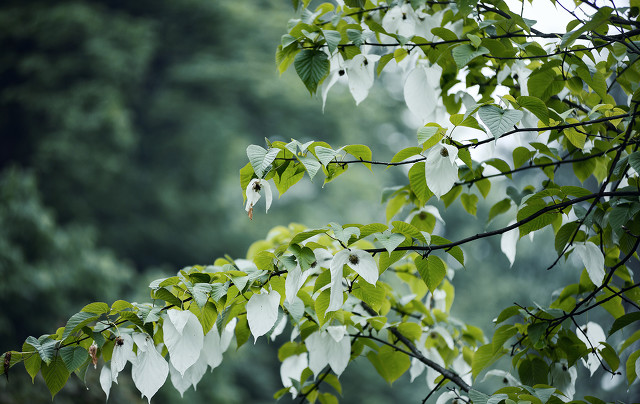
[(312, 67)]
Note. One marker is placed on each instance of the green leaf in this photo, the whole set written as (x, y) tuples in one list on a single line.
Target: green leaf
[(499, 208), (632, 375), (482, 358), (96, 308), (418, 183), (537, 223), (55, 375), (520, 156), (432, 270), (361, 152), (389, 363), (260, 158), (634, 161), (533, 370), (428, 136), (455, 252), (332, 38), (79, 320), (405, 154), (324, 154), (564, 235), (470, 203), (544, 84), (31, 360), (242, 331), (45, 346), (463, 54), (73, 357), (372, 295), (624, 321), (536, 106), (499, 120), (390, 240), (576, 138), (312, 67)]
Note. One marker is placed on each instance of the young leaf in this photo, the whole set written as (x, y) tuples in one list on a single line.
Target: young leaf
[(499, 120)]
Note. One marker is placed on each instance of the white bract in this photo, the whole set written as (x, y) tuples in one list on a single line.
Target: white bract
[(361, 73), (508, 243), (564, 378), (191, 376), (592, 335), (262, 312), (149, 370), (295, 280), (215, 344), (422, 92), (593, 261), (441, 170), (291, 369), (358, 260), (331, 347), (253, 194), (106, 380), (122, 352), (183, 337)]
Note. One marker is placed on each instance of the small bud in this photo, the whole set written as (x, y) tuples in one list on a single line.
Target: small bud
[(353, 259), (366, 62), (505, 380), (404, 16), (119, 341), (564, 367), (256, 187), (444, 152), (341, 72), (314, 264)]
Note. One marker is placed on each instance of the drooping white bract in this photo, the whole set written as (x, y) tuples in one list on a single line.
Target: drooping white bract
[(564, 378), (592, 335), (507, 378), (183, 337), (281, 323), (295, 280), (323, 258), (417, 367), (358, 260), (593, 260), (191, 376), (122, 352), (106, 380), (253, 194), (215, 344), (422, 92), (149, 370), (291, 369), (436, 300), (440, 169), (336, 70), (331, 347), (262, 312), (508, 243), (462, 368), (449, 397), (400, 20), (361, 73)]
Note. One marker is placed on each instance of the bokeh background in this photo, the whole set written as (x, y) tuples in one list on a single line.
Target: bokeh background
[(123, 125)]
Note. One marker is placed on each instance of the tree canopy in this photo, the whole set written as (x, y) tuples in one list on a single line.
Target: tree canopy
[(540, 126)]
